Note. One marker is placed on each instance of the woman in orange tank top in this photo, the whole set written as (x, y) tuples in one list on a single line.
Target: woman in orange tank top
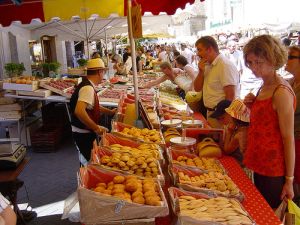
[(271, 151)]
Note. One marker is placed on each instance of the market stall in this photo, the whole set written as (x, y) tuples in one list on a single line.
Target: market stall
[(178, 170)]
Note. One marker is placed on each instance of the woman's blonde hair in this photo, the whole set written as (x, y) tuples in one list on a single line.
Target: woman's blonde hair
[(267, 47)]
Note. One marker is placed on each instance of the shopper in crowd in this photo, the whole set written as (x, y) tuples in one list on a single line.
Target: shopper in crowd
[(293, 66), (170, 55), (95, 55), (182, 63), (85, 109), (235, 117), (149, 59), (162, 55), (140, 59), (118, 65), (270, 147), (176, 75), (217, 76), (7, 215), (127, 60), (127, 52), (187, 53), (235, 56)]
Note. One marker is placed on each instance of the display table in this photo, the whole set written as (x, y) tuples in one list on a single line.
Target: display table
[(56, 98), (254, 202)]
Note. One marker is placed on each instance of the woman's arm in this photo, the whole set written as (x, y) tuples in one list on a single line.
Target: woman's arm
[(231, 142), (283, 104), (156, 82)]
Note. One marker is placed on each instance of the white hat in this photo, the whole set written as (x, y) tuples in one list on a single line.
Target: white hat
[(239, 110), (95, 64)]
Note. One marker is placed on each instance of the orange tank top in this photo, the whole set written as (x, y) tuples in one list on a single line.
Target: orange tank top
[(265, 152)]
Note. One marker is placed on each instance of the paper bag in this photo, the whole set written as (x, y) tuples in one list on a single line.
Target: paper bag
[(280, 211)]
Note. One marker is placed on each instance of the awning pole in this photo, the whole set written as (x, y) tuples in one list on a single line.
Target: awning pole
[(105, 35), (133, 57)]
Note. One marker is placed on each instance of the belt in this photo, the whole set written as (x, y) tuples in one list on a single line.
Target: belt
[(210, 109)]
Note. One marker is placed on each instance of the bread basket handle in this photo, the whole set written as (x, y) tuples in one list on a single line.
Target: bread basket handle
[(208, 139)]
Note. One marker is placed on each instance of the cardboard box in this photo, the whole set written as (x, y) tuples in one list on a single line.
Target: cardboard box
[(98, 208), (43, 93)]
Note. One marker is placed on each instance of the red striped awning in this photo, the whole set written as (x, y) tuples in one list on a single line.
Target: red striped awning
[(65, 9)]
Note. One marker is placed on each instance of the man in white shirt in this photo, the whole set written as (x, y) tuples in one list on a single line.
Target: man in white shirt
[(217, 77)]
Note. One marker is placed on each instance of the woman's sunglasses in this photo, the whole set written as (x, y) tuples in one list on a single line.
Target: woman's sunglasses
[(293, 57)]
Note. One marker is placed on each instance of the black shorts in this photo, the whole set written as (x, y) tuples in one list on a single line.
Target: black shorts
[(270, 188), (84, 142)]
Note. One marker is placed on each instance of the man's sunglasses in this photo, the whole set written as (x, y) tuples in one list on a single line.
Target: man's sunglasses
[(293, 57)]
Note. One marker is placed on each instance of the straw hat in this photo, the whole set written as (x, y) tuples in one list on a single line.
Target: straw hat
[(239, 110), (95, 64)]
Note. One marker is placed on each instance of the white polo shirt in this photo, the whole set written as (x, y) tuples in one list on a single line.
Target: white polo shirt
[(219, 74)]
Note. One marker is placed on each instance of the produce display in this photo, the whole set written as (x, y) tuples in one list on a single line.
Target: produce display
[(110, 95), (61, 87), (172, 100), (147, 150), (168, 87), (23, 79), (118, 80), (152, 136), (131, 163), (60, 84), (132, 189), (209, 164), (213, 180), (222, 210), (169, 112)]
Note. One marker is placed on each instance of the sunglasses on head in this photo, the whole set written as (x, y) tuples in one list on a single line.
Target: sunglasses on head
[(293, 57)]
